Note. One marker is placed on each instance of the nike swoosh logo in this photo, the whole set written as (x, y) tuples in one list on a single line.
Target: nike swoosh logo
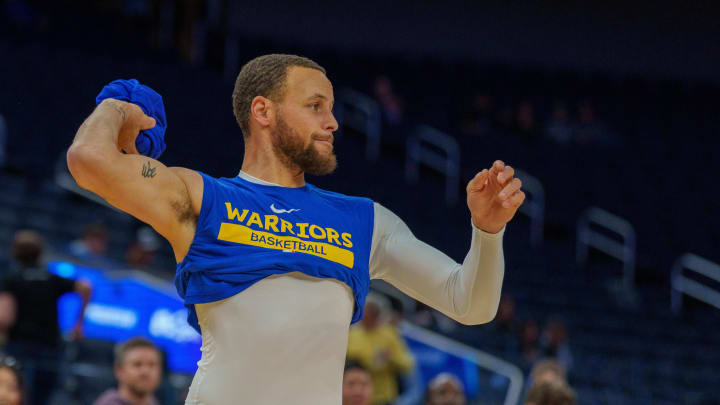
[(282, 211)]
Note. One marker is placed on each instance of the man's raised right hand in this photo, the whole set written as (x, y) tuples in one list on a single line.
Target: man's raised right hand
[(134, 120)]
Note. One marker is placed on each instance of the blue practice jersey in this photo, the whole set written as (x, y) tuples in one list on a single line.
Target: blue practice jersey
[(248, 231)]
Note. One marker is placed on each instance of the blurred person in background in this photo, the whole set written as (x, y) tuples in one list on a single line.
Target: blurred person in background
[(506, 326), (525, 122), (11, 382), (142, 253), (554, 342), (93, 244), (547, 370), (3, 141), (138, 369), (589, 130), (392, 105), (357, 386), (551, 393), (478, 120), (34, 334), (445, 389), (559, 128), (378, 346), (529, 337)]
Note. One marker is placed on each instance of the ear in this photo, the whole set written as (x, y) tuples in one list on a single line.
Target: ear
[(262, 111)]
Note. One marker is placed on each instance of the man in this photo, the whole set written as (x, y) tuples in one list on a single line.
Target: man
[(378, 346), (29, 301), (272, 269), (553, 392), (138, 369), (547, 370), (445, 389), (357, 388)]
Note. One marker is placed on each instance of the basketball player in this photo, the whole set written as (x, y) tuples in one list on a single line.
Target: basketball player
[(274, 270)]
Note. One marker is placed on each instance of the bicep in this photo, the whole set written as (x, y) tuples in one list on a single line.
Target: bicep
[(140, 186), (411, 265)]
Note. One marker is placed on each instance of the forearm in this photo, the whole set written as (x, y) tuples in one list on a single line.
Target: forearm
[(101, 129), (96, 143), (468, 293), (478, 286), (84, 289)]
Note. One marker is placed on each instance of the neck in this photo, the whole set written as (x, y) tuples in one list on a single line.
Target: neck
[(261, 161), (133, 398)]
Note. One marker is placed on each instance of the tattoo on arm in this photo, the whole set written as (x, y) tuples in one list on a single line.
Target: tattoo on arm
[(148, 171)]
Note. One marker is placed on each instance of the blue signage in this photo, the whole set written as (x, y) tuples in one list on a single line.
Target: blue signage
[(127, 306)]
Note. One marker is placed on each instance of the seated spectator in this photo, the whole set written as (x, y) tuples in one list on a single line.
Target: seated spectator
[(559, 128), (138, 369), (555, 343), (547, 370), (3, 141), (529, 338), (445, 389), (357, 386), (525, 123), (478, 121), (142, 254), (591, 131), (505, 327), (550, 393), (378, 346), (93, 245), (392, 105), (33, 331), (11, 382)]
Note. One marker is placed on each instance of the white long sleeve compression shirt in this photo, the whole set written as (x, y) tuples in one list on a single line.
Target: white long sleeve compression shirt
[(283, 340)]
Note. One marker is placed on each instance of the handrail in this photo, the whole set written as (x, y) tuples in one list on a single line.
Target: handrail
[(483, 359), (680, 284), (623, 251), (361, 113), (422, 147), (534, 205)]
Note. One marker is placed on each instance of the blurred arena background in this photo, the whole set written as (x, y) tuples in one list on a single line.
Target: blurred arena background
[(609, 110)]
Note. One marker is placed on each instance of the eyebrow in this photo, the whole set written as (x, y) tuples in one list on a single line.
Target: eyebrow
[(318, 95)]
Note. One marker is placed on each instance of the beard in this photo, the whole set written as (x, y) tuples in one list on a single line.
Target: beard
[(141, 389), (289, 146)]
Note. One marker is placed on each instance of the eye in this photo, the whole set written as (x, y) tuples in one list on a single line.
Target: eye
[(315, 106)]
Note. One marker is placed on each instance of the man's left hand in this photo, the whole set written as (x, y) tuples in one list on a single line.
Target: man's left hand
[(494, 196)]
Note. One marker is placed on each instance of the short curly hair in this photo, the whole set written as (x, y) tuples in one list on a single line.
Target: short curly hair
[(264, 76)]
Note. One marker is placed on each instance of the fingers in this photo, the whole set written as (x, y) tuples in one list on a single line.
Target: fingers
[(515, 200), (497, 167), (133, 149), (147, 123), (510, 189), (507, 173), (478, 182)]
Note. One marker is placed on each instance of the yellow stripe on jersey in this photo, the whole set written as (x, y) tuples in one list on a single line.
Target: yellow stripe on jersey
[(247, 236)]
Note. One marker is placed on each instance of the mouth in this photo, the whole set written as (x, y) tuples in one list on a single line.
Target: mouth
[(326, 140)]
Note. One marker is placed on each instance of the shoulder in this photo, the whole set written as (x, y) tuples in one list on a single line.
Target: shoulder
[(109, 397)]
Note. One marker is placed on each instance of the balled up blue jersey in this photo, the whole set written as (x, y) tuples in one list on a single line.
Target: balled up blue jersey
[(248, 231)]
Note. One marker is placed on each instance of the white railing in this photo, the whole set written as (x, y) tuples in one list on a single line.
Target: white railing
[(361, 113), (534, 205), (623, 250), (482, 359), (437, 150), (680, 284)]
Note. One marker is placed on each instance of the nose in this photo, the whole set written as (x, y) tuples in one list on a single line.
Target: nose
[(332, 124)]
